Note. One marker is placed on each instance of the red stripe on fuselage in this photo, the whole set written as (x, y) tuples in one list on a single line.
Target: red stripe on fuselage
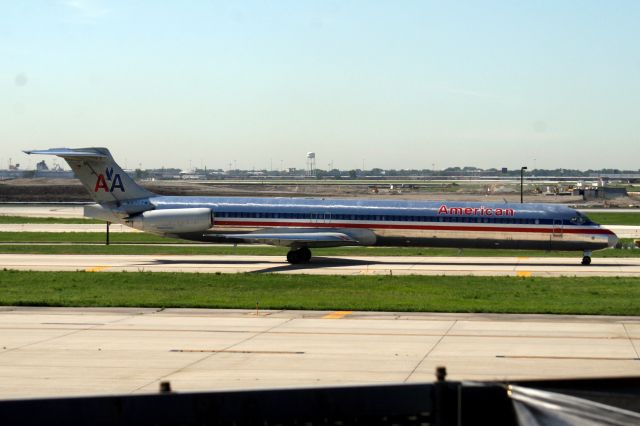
[(492, 228)]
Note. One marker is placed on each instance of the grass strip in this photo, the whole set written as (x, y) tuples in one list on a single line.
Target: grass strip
[(19, 220), (153, 249), (123, 243), (248, 250), (599, 296), (631, 219), (86, 237)]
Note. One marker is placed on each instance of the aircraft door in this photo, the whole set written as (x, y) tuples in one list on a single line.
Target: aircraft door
[(557, 228)]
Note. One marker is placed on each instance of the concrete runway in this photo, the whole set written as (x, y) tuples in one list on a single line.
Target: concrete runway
[(65, 351), (355, 265)]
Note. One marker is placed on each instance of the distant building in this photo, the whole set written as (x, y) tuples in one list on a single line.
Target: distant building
[(595, 191)]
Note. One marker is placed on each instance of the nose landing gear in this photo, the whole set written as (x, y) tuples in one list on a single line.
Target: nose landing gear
[(586, 258), (301, 255)]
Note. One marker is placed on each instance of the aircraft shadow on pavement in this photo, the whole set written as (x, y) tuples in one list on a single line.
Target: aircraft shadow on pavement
[(331, 262), (328, 261), (316, 262)]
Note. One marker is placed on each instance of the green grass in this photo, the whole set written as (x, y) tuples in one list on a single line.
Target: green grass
[(86, 237), (615, 218), (601, 296), (47, 220), (126, 243), (128, 247)]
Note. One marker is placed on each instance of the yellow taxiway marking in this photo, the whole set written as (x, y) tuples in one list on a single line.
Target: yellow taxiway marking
[(524, 274), (337, 315), (97, 269)]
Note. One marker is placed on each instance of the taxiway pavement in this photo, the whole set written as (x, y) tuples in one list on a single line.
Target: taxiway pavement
[(338, 265), (80, 351)]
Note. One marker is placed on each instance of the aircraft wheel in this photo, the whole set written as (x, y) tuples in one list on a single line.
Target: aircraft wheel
[(292, 257), (586, 260), (305, 254), (302, 255)]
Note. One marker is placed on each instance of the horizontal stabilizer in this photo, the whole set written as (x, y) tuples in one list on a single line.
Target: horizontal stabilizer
[(69, 153)]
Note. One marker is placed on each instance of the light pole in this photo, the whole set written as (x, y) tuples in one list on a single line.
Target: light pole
[(522, 169)]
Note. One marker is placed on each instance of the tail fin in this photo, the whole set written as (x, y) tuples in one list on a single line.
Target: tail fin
[(99, 173)]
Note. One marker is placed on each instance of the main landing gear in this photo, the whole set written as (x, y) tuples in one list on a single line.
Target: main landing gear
[(301, 255), (586, 259)]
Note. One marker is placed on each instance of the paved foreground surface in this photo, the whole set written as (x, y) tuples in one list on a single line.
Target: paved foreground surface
[(63, 351), (353, 265)]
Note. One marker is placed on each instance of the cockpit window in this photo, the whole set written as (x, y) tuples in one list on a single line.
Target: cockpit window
[(578, 220)]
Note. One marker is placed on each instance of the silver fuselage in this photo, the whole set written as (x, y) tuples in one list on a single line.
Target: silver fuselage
[(402, 223)]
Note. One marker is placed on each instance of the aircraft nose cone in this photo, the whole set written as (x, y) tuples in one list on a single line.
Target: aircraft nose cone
[(613, 240)]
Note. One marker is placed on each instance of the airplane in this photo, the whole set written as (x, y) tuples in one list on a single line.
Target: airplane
[(305, 223)]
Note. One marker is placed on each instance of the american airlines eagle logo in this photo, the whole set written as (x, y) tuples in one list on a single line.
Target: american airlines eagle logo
[(109, 181)]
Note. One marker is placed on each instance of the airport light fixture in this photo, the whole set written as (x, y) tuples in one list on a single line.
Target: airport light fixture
[(522, 169)]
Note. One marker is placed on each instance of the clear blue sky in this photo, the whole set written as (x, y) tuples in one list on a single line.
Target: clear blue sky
[(398, 84)]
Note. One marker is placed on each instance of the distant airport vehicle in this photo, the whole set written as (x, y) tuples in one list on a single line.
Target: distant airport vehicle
[(301, 223)]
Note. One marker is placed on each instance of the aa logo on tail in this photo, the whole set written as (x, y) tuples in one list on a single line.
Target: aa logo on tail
[(113, 178)]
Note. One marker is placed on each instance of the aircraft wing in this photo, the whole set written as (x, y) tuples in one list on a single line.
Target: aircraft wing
[(302, 238)]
